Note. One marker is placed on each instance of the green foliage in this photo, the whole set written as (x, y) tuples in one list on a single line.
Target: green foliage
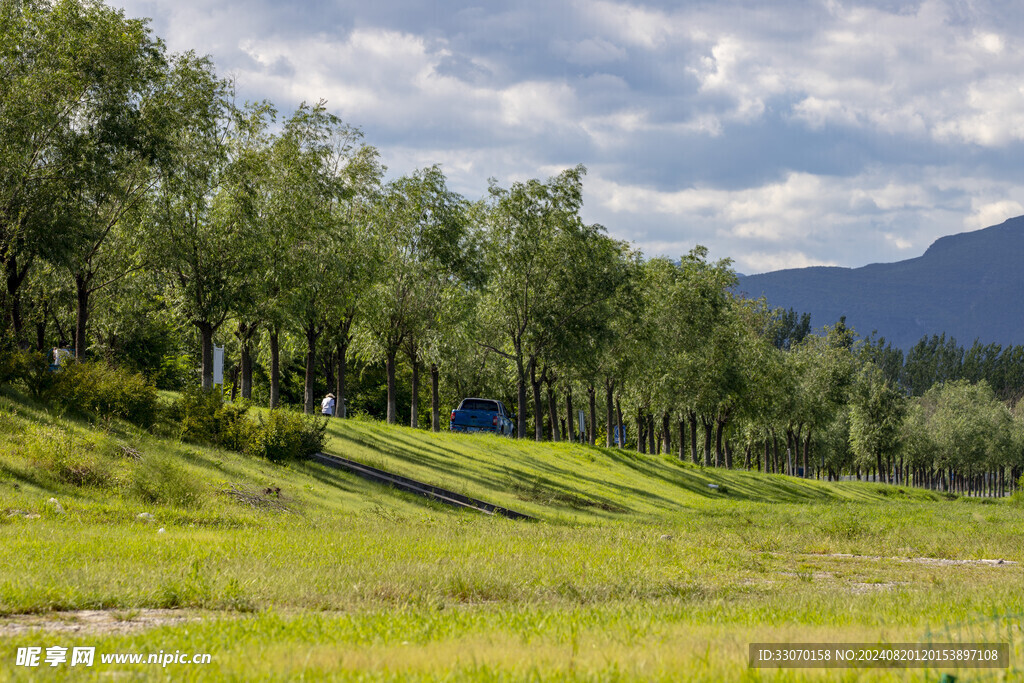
[(12, 365), (32, 370), (92, 387), (285, 435), (103, 390), (876, 417), (174, 371), (968, 427), (204, 418)]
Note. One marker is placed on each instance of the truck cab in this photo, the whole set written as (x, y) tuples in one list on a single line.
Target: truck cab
[(482, 415)]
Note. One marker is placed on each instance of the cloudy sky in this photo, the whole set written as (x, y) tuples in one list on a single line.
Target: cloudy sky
[(780, 133)]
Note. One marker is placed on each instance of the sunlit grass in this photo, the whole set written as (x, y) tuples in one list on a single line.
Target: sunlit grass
[(636, 571)]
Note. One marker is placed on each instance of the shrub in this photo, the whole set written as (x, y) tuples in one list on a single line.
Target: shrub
[(33, 369), (285, 435), (203, 417), (12, 365), (104, 390), (175, 371)]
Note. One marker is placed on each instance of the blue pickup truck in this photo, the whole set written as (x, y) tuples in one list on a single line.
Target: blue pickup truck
[(482, 415)]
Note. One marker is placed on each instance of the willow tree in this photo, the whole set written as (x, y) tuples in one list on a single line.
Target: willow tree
[(877, 411), (78, 128), (319, 165), (547, 274), (196, 234), (418, 233)]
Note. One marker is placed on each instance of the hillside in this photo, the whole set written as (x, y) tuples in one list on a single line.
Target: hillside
[(118, 471), (636, 570), (967, 285)]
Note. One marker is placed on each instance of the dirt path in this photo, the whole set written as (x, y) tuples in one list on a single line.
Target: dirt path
[(96, 622)]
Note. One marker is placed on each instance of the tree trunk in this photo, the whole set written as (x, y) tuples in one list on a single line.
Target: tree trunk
[(82, 311), (682, 440), (694, 453), (666, 431), (618, 419), (341, 354), (807, 453), (609, 387), (708, 436), (641, 432), (414, 410), (275, 368), (206, 344), (435, 398), (553, 412), (776, 466), (538, 416), (392, 396), (245, 369), (41, 334), (650, 433), (521, 398), (15, 277), (570, 432), (719, 456), (309, 386), (592, 432)]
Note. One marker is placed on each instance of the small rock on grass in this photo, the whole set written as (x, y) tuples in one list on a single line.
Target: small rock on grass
[(145, 516), (57, 507)]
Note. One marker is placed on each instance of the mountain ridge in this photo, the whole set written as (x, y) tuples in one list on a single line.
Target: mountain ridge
[(966, 285)]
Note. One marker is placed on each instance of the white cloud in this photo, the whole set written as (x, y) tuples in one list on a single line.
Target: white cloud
[(804, 219), (536, 104), (898, 241), (778, 133), (630, 23), (592, 51), (760, 262), (992, 213)]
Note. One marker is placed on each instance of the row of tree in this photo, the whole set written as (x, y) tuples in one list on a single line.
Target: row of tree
[(146, 216)]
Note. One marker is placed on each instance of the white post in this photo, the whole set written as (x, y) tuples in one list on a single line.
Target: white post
[(218, 365)]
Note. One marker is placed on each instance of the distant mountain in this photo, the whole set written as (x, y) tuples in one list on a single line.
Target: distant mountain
[(970, 286)]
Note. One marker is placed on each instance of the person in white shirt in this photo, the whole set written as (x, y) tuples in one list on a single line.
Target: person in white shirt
[(327, 405)]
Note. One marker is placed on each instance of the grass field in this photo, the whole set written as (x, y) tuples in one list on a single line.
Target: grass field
[(636, 569)]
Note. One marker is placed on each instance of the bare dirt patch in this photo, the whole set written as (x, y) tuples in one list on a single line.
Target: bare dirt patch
[(95, 622), (935, 561)]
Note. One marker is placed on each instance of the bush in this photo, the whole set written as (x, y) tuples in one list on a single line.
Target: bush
[(104, 390), (204, 418), (286, 436), (175, 372), (12, 365), (33, 369)]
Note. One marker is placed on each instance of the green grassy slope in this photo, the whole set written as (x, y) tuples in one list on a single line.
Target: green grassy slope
[(636, 571), (578, 482)]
